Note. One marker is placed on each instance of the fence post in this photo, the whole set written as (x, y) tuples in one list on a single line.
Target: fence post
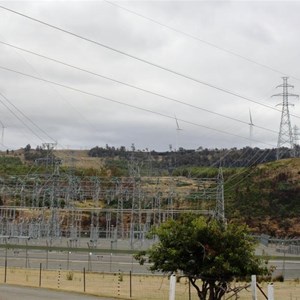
[(68, 259), (89, 262), (119, 283), (47, 255), (84, 279), (58, 277), (40, 278), (253, 287), (172, 287), (130, 284), (110, 262), (270, 291), (5, 265), (26, 254)]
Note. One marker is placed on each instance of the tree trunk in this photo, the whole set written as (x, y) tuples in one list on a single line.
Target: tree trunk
[(209, 290), (200, 292)]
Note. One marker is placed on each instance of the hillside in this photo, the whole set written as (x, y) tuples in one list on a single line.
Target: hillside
[(78, 159), (267, 198)]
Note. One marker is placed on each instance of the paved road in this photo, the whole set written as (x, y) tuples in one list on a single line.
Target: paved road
[(290, 269), (100, 262), (9, 292), (107, 262)]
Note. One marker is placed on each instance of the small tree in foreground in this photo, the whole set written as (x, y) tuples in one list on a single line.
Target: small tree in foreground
[(208, 253)]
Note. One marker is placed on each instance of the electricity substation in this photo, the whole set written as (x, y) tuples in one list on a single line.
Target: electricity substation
[(83, 211)]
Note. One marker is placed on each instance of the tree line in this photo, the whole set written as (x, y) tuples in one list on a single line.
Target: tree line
[(232, 157)]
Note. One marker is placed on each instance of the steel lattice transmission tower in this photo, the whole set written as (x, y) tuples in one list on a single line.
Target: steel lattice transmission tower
[(285, 137)]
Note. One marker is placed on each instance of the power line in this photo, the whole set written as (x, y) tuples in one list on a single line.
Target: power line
[(248, 171), (27, 118), (140, 59), (37, 73), (132, 86), (194, 37), (38, 136), (121, 52), (216, 164), (128, 105)]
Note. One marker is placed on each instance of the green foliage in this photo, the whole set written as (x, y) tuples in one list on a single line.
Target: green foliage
[(81, 172), (117, 167), (204, 172), (12, 165), (204, 249), (39, 152), (184, 162)]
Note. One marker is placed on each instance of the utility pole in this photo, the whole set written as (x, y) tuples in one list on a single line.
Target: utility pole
[(285, 137)]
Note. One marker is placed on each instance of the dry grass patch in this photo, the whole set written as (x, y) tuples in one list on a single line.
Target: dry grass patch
[(147, 287)]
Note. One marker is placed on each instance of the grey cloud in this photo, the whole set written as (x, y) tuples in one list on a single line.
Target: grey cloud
[(74, 119)]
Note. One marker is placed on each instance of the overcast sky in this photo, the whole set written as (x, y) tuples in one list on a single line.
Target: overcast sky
[(239, 50)]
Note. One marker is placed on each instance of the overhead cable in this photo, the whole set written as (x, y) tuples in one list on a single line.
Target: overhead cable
[(32, 131), (194, 37), (128, 105), (133, 86), (232, 93)]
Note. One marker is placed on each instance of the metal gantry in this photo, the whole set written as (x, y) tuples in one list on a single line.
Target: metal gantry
[(55, 206)]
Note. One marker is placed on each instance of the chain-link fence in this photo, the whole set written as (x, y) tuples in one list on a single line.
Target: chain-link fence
[(119, 284), (114, 274), (125, 285)]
